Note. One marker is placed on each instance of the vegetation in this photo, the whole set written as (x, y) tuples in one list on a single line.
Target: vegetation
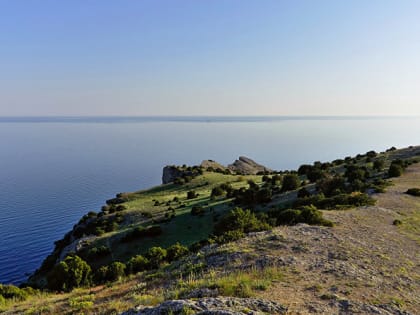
[(413, 192), (143, 238), (70, 273), (140, 231)]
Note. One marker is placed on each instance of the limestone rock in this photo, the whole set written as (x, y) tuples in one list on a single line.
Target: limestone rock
[(213, 306), (247, 166)]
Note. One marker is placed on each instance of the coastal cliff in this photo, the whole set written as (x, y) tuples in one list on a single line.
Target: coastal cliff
[(212, 241)]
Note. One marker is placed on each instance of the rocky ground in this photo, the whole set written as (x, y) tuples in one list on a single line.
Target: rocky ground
[(365, 264)]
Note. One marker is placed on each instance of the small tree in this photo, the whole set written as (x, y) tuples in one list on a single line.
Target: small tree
[(290, 182), (70, 273), (395, 170), (137, 263), (116, 271), (378, 165), (242, 220), (156, 256), (191, 194), (176, 251)]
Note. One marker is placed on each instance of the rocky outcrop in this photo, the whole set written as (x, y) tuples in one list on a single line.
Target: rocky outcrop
[(246, 166), (210, 164), (170, 173), (243, 165), (212, 306)]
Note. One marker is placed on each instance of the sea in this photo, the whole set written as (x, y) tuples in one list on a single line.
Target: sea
[(53, 170)]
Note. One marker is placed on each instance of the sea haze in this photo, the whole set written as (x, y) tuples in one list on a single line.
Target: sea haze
[(53, 170)]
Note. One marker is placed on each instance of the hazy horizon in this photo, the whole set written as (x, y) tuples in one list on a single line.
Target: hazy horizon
[(190, 58)]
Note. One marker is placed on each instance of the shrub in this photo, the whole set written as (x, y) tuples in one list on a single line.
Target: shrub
[(101, 275), (217, 192), (308, 214), (397, 222), (395, 170), (355, 199), (197, 210), (315, 174), (378, 165), (354, 172), (116, 271), (303, 192), (176, 251), (98, 252), (15, 293), (290, 182), (137, 263), (304, 169), (413, 192), (139, 232), (191, 194), (331, 186), (156, 256), (241, 220), (70, 273)]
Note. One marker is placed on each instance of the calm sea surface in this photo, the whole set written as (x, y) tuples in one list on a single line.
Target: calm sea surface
[(54, 170)]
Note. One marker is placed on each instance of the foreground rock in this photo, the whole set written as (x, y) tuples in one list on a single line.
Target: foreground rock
[(212, 306)]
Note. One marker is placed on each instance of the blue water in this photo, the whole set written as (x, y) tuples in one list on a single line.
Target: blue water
[(54, 170)]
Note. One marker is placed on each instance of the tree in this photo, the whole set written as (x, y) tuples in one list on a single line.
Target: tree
[(241, 220), (70, 273), (395, 170), (217, 191), (378, 165), (191, 194), (116, 271), (332, 185), (290, 182), (156, 256), (176, 251), (137, 263)]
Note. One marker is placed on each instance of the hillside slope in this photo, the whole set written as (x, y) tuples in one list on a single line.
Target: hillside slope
[(365, 264)]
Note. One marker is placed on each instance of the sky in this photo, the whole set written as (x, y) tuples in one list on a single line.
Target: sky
[(209, 57)]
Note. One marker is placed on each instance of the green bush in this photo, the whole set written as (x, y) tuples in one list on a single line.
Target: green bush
[(356, 199), (116, 271), (290, 182), (15, 293), (156, 256), (70, 273), (176, 251), (191, 194), (395, 170), (217, 192), (139, 232), (137, 263), (331, 186), (378, 165), (303, 192), (99, 252), (240, 220), (308, 214)]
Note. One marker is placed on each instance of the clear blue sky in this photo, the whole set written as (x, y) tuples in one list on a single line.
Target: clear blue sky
[(235, 57)]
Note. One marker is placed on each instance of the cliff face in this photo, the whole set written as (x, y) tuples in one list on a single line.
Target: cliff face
[(170, 173)]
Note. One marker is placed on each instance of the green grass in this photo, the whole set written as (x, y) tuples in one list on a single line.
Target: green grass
[(184, 227)]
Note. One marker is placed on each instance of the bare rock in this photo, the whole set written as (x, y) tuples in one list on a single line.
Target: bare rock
[(213, 306), (247, 166)]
